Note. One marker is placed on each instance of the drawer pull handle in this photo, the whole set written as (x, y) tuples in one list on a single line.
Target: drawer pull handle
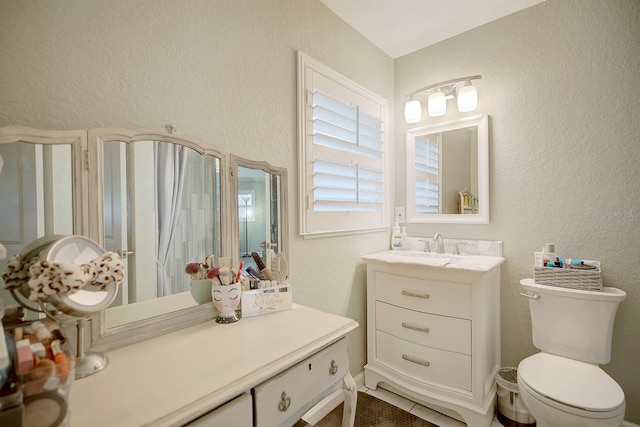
[(415, 328), (285, 402), (415, 294), (334, 368), (414, 360)]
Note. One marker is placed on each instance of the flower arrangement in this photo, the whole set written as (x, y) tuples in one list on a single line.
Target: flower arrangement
[(208, 270)]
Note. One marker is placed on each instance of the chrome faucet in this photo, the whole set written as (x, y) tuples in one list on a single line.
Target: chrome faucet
[(438, 239)]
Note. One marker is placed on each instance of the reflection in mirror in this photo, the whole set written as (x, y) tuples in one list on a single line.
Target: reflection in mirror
[(448, 172), (161, 199), (36, 189), (161, 210), (261, 201)]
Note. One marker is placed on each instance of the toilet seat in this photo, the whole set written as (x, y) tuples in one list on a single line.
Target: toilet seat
[(570, 385)]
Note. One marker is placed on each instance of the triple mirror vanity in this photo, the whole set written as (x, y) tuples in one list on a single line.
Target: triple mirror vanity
[(158, 198)]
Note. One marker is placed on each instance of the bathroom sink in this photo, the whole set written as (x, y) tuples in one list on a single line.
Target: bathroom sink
[(451, 261)]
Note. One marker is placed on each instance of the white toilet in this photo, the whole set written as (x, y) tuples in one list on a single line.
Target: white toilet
[(563, 386)]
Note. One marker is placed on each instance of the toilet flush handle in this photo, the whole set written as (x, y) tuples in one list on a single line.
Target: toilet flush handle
[(532, 295)]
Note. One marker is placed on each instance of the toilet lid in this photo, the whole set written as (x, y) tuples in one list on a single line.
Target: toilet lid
[(571, 382)]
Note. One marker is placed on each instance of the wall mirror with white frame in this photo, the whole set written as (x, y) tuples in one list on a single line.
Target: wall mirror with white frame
[(157, 197), (448, 172)]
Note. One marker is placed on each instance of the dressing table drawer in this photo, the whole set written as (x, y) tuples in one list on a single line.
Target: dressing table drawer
[(428, 296), (283, 397), (234, 413), (423, 363), (443, 332)]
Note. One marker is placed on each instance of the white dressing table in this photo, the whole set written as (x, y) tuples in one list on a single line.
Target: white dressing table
[(261, 371)]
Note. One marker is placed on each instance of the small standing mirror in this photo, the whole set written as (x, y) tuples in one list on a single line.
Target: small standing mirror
[(448, 172), (261, 191)]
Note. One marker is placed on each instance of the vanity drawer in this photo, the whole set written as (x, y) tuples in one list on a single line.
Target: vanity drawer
[(424, 363), (445, 333), (235, 413), (277, 400), (429, 296)]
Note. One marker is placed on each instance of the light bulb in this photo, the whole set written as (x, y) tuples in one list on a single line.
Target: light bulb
[(412, 111), (437, 104), (467, 98)]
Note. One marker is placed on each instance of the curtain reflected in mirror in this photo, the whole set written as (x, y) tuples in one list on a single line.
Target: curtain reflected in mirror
[(36, 195), (259, 214), (161, 210)]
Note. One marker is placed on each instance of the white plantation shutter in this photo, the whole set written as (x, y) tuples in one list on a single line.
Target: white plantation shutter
[(427, 165), (342, 153)]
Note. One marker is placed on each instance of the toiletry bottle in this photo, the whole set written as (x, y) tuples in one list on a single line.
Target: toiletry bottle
[(396, 236), (404, 243), (548, 255)]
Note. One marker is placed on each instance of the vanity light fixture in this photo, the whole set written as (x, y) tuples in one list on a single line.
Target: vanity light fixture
[(465, 93), (437, 104), (412, 111)]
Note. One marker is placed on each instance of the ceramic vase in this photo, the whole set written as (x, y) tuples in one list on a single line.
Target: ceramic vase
[(201, 291), (226, 299)]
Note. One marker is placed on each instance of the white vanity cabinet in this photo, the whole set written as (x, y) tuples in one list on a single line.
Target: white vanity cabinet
[(433, 335)]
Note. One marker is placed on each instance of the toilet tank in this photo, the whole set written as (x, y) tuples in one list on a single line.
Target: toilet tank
[(573, 323)]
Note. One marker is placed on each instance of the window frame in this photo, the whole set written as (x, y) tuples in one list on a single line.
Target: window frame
[(365, 102)]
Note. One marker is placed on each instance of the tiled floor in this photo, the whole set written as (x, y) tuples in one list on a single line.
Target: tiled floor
[(418, 410)]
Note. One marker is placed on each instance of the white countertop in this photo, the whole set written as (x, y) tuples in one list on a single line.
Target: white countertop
[(429, 259), (166, 380)]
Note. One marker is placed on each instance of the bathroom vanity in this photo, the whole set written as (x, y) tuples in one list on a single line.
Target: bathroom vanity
[(433, 331), (261, 371)]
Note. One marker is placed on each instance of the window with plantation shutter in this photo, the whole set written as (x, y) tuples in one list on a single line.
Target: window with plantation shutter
[(342, 137)]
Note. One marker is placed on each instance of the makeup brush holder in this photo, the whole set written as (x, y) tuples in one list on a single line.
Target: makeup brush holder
[(201, 290), (226, 298)]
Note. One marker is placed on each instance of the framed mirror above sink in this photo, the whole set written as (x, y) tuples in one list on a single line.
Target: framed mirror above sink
[(448, 172)]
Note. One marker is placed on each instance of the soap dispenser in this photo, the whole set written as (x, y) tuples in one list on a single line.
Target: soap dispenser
[(396, 236)]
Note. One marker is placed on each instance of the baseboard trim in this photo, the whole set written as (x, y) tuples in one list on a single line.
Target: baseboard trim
[(330, 403)]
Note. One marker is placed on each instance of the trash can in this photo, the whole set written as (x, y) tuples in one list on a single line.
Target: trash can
[(512, 411)]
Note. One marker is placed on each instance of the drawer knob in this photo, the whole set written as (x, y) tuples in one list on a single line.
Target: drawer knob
[(415, 360), (415, 328), (334, 368), (415, 294), (285, 402)]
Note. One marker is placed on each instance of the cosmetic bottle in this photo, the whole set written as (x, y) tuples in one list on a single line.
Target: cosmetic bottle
[(41, 331), (396, 236), (548, 254)]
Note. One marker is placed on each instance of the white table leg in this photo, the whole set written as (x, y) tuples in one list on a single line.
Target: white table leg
[(350, 400)]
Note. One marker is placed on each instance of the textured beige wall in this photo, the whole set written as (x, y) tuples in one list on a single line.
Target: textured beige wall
[(559, 81), (561, 85), (221, 70)]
